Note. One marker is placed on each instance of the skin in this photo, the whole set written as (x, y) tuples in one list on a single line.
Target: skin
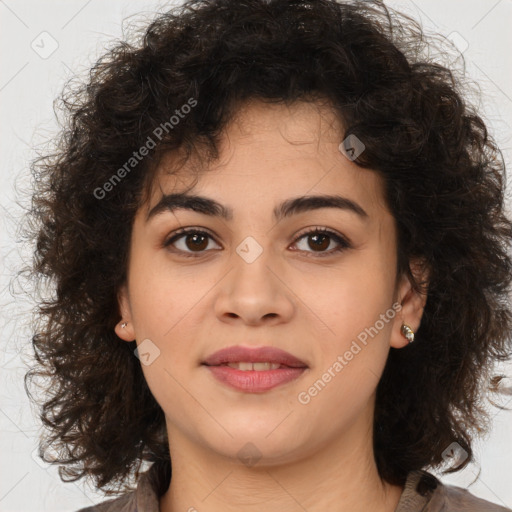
[(316, 456)]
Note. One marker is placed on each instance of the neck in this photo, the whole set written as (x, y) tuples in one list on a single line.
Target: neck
[(340, 475)]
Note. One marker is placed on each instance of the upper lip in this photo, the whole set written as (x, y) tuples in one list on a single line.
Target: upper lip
[(238, 354)]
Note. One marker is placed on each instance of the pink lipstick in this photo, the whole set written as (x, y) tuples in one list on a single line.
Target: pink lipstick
[(254, 370)]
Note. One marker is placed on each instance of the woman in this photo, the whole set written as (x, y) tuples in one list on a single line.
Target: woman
[(280, 252)]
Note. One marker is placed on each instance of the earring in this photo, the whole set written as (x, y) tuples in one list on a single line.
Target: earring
[(407, 332), (123, 325)]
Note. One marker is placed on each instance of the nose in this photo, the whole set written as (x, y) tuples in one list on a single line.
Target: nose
[(254, 292)]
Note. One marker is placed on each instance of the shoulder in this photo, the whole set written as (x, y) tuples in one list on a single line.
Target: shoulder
[(459, 499), (125, 503), (426, 493)]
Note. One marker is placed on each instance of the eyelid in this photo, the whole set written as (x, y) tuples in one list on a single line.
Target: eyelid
[(322, 229), (181, 232), (344, 242)]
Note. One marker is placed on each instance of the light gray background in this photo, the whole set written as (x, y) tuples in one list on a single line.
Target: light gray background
[(30, 79)]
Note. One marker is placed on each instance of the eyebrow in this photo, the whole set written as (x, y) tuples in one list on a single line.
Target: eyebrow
[(293, 206)]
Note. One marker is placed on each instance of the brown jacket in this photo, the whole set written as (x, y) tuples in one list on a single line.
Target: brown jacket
[(423, 492)]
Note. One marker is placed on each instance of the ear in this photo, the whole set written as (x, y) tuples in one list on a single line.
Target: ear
[(412, 302), (126, 333)]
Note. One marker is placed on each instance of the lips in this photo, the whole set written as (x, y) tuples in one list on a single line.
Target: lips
[(254, 370), (239, 354)]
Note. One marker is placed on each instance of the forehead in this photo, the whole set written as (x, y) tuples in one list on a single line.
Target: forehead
[(272, 151)]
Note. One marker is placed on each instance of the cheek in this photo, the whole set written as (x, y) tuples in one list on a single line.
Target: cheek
[(356, 317), (159, 296), (353, 299), (166, 308), (351, 361)]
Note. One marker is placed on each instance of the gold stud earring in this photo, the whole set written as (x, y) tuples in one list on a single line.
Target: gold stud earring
[(407, 332)]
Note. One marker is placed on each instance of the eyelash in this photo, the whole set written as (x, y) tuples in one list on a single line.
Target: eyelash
[(344, 243)]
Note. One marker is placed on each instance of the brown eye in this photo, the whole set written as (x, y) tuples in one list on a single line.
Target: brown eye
[(190, 240), (319, 239), (194, 242)]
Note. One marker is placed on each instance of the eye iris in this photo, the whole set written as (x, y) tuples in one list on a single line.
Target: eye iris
[(197, 241), (199, 246), (320, 245)]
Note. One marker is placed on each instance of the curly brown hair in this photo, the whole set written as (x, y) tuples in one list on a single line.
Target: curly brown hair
[(444, 178)]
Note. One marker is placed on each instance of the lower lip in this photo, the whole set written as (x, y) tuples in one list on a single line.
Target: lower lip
[(253, 381)]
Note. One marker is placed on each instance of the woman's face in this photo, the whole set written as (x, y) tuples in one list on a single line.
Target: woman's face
[(255, 280)]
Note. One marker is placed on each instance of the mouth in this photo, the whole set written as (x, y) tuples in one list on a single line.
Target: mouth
[(254, 358), (254, 370), (254, 381), (258, 367)]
